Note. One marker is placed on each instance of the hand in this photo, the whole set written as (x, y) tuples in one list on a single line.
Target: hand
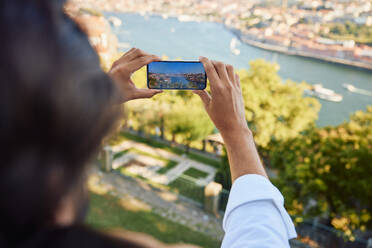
[(122, 70), (225, 105)]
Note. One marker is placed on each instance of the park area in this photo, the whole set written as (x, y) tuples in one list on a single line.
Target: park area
[(163, 166), (156, 189), (108, 212)]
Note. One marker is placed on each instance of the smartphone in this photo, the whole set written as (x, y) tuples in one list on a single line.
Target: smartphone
[(176, 75)]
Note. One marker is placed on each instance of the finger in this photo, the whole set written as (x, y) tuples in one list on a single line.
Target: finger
[(230, 72), (138, 63), (131, 55), (130, 51), (145, 93), (221, 70), (136, 54), (124, 57), (237, 80), (204, 96), (211, 74), (127, 55)]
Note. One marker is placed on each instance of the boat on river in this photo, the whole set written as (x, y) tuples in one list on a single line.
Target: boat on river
[(354, 89), (115, 21), (349, 87), (319, 91), (233, 48)]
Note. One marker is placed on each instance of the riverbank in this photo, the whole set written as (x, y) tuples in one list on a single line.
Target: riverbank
[(294, 52), (298, 31), (268, 47)]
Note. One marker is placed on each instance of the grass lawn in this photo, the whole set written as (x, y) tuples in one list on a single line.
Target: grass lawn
[(119, 154), (170, 165), (187, 188), (195, 173), (107, 212)]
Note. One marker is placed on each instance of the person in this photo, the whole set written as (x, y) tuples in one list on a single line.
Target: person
[(56, 106)]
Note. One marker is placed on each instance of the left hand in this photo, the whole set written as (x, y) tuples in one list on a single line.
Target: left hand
[(122, 70)]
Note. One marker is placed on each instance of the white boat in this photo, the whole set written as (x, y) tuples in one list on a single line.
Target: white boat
[(319, 91), (173, 30), (353, 89), (115, 21), (349, 87), (233, 48), (164, 16)]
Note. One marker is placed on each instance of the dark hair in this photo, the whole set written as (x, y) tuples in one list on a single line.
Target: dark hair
[(56, 105)]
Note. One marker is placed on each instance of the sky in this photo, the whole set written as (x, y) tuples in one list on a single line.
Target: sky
[(176, 67)]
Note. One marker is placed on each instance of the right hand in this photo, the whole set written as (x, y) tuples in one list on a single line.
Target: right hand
[(225, 105)]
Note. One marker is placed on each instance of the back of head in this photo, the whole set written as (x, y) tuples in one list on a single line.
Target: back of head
[(55, 107)]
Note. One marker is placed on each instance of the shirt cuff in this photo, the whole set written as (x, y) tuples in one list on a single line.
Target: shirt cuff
[(254, 187)]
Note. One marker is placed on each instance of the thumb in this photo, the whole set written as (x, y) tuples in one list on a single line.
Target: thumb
[(146, 93), (204, 96)]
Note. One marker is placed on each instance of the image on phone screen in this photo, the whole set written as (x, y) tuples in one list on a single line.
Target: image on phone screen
[(183, 75)]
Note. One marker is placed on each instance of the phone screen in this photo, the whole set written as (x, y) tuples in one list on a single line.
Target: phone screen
[(182, 75)]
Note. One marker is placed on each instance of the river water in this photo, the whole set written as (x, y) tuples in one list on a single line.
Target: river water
[(188, 40)]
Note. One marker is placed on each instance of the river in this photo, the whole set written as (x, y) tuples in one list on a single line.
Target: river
[(188, 40)]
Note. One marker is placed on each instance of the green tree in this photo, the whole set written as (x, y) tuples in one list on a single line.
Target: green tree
[(149, 114), (349, 31), (189, 120), (327, 172), (275, 110)]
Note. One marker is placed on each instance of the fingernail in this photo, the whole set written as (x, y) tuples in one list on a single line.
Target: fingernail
[(201, 57)]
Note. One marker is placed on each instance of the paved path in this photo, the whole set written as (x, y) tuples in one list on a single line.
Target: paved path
[(146, 148), (167, 204), (152, 164)]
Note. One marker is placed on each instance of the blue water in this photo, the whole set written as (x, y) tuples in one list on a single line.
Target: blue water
[(188, 40), (180, 79)]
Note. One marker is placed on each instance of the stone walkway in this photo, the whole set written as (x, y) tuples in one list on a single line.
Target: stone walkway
[(152, 164), (139, 195)]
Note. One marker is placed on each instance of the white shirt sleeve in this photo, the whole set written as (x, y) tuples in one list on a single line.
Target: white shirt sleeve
[(255, 215)]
